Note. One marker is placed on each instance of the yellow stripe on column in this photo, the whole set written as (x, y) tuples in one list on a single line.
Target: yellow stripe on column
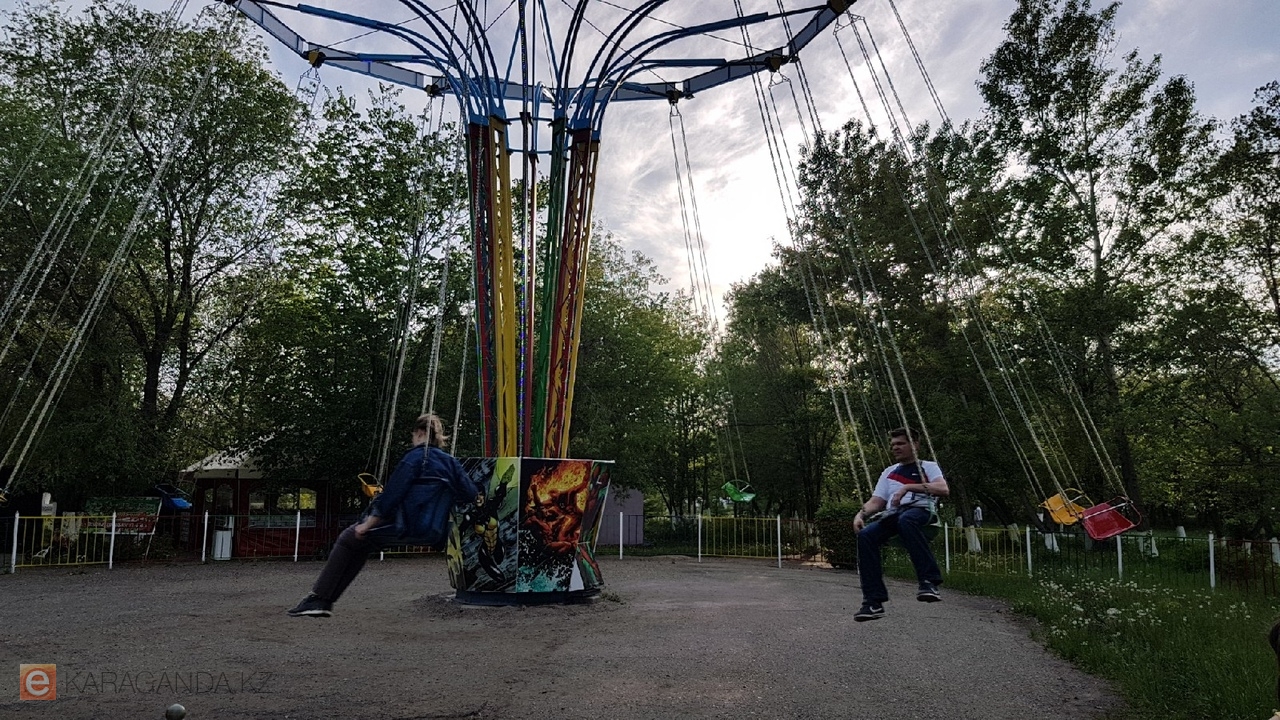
[(504, 292)]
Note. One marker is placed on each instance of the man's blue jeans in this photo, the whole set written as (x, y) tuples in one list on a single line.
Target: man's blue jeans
[(909, 524)]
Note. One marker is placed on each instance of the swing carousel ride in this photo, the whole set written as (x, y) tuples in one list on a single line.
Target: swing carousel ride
[(532, 81)]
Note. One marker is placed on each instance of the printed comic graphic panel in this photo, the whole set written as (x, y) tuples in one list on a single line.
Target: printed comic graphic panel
[(480, 471), (553, 501), (588, 572), (484, 557)]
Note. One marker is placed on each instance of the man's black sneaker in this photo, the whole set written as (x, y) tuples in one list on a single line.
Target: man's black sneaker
[(870, 611), (928, 593), (312, 606)]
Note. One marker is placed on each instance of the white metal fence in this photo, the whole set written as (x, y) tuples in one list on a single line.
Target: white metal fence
[(72, 539), (1158, 559), (1165, 559)]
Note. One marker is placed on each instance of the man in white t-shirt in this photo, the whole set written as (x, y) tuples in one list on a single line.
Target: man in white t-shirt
[(905, 493), (977, 516)]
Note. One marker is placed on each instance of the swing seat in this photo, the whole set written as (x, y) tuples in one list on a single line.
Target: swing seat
[(370, 486), (930, 530), (933, 528), (737, 495), (1111, 518), (1064, 507)]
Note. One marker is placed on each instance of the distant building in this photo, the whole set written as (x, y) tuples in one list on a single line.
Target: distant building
[(249, 517), (623, 514)]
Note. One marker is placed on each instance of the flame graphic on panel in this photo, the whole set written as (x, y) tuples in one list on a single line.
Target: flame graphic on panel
[(555, 503)]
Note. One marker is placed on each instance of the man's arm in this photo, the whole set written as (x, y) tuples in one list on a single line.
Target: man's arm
[(936, 487), (870, 507)]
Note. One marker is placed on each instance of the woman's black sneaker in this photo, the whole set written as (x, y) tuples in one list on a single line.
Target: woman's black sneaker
[(312, 606)]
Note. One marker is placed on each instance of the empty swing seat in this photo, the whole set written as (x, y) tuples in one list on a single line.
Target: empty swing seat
[(1110, 519), (370, 486), (1066, 510), (735, 494)]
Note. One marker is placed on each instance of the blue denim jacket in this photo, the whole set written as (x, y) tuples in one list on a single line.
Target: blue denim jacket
[(420, 481)]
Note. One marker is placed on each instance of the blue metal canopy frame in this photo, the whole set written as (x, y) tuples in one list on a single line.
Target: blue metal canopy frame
[(467, 68)]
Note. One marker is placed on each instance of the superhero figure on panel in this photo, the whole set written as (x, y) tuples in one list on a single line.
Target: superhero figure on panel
[(483, 518)]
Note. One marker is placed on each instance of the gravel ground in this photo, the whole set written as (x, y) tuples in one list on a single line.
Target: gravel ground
[(670, 638)]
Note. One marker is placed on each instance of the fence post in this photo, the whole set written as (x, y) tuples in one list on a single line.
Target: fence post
[(699, 537), (297, 535), (946, 544), (1028, 551), (111, 553), (1119, 558), (621, 529), (204, 538), (779, 542), (13, 557), (1213, 579)]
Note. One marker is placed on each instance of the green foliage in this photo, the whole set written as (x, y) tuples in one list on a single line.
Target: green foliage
[(780, 410), (313, 379), (1047, 290), (1172, 654), (1113, 167), (1080, 285), (637, 372), (122, 155), (835, 530)]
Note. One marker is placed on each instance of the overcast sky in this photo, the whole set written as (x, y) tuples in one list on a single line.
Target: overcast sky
[(1228, 48)]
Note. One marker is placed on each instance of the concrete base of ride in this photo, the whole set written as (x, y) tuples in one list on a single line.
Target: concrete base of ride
[(529, 538)]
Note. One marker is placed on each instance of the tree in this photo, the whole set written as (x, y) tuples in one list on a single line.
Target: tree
[(312, 384), (1210, 395), (902, 260), (782, 422), (1252, 171), (634, 398), (164, 174), (1107, 170)]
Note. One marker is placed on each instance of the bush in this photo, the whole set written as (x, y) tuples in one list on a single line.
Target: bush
[(835, 529)]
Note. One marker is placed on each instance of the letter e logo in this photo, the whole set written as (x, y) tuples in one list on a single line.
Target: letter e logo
[(37, 682)]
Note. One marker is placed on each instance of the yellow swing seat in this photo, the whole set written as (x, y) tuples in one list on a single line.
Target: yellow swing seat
[(369, 484), (1065, 507)]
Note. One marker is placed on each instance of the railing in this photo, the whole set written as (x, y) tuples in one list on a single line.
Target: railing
[(714, 536), (1142, 558), (63, 540), (1146, 559), (69, 539)]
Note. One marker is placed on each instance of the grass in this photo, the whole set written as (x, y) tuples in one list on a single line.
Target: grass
[(1193, 654)]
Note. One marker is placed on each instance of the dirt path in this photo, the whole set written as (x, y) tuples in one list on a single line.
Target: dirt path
[(672, 638)]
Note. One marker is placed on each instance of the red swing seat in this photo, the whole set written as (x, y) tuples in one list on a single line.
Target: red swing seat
[(1111, 518)]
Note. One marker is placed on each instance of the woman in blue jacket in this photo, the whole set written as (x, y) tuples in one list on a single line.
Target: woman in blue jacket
[(425, 485)]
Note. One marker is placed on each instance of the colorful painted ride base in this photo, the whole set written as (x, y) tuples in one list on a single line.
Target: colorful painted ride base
[(529, 538)]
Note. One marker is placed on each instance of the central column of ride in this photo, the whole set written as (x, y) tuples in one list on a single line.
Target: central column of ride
[(528, 537)]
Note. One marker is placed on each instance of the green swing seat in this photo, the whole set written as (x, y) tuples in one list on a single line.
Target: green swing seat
[(737, 495)]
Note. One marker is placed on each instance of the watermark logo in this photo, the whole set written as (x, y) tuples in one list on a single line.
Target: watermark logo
[(38, 682), (167, 682)]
